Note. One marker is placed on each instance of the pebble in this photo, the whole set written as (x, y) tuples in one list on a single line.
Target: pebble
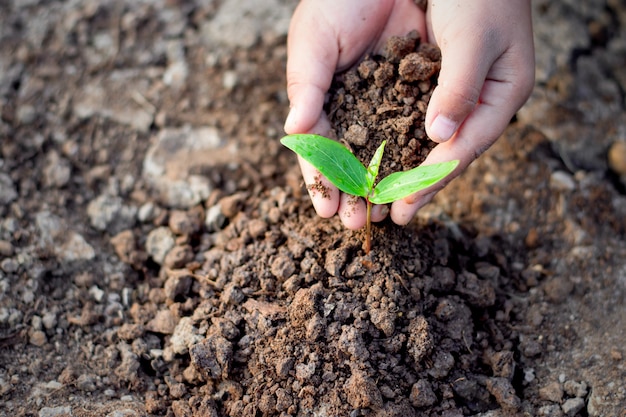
[(8, 192), (178, 257), (86, 382), (214, 218), (361, 391), (177, 285), (109, 213), (283, 267), (159, 242), (185, 335), (55, 411), (177, 153), (163, 322), (49, 320), (562, 181), (575, 389), (6, 248), (617, 157), (185, 222), (38, 338), (552, 392), (572, 406), (558, 289), (9, 265), (422, 394)]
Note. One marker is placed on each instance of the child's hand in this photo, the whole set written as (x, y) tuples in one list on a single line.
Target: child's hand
[(486, 75)]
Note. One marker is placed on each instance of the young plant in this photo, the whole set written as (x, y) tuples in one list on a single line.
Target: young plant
[(348, 174)]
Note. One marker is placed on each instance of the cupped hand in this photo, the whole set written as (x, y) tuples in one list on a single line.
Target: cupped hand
[(487, 73)]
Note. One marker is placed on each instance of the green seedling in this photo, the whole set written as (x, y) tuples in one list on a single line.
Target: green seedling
[(348, 174)]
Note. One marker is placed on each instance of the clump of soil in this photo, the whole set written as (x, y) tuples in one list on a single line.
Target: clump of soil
[(385, 98), (280, 314)]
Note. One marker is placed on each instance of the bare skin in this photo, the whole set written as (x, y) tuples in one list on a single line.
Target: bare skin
[(487, 74)]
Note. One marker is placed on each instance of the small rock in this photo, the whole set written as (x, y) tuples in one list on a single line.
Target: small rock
[(56, 171), (9, 265), (257, 228), (130, 331), (304, 305), (335, 261), (38, 338), (65, 411), (8, 193), (213, 357), (361, 391), (6, 248), (422, 394), (576, 389), (478, 293), (305, 371), (49, 320), (558, 288), (442, 365), (552, 392), (231, 204), (158, 243), (185, 335), (124, 245), (420, 342), (232, 294), (177, 285), (164, 322), (551, 410), (357, 135), (86, 382), (617, 157), (282, 267), (504, 393), (562, 181), (215, 219), (185, 222), (572, 406), (109, 213), (178, 257)]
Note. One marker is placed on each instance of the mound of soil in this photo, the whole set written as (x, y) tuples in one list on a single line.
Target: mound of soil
[(281, 314)]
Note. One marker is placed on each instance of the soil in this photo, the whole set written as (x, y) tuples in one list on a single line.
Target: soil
[(160, 256)]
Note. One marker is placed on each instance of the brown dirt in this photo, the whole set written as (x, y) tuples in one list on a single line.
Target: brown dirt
[(504, 297), (385, 98)]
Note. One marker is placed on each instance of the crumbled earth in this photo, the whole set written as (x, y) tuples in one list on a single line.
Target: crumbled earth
[(160, 256), (385, 99)]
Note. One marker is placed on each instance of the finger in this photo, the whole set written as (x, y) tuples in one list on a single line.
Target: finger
[(324, 195), (352, 211), (312, 54), (379, 212), (464, 67), (498, 102)]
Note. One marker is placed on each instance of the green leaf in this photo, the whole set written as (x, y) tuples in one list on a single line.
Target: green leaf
[(333, 160), (372, 169), (399, 185)]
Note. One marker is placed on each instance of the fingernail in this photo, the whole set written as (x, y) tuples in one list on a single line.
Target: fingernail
[(291, 120), (442, 128)]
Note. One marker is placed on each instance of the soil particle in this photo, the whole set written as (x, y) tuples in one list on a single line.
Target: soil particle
[(422, 394), (504, 393), (213, 357), (361, 391)]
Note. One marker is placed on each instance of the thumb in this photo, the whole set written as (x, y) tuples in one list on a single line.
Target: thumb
[(312, 56), (464, 68)]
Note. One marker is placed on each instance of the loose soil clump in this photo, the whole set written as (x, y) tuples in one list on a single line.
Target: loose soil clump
[(385, 98)]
